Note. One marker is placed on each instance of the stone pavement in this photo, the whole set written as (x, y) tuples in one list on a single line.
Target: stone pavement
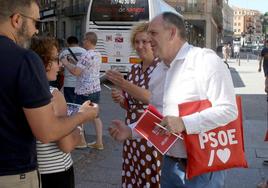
[(102, 169)]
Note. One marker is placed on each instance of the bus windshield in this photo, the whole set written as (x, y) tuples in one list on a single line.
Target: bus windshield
[(119, 10)]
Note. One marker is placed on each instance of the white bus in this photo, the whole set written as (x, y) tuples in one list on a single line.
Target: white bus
[(112, 21)]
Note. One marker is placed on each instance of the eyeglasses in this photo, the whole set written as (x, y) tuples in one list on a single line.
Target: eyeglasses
[(37, 22)]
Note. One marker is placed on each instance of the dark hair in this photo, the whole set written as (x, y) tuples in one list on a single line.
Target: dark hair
[(43, 47), (177, 21), (72, 40), (92, 37), (9, 7)]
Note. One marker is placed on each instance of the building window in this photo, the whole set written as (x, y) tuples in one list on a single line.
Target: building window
[(234, 30)]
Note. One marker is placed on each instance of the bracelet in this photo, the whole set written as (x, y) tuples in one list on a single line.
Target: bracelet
[(81, 130)]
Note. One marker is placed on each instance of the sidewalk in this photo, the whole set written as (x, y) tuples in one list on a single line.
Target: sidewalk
[(102, 169), (249, 83)]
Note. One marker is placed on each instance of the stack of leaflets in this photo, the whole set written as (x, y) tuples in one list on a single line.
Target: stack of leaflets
[(148, 126)]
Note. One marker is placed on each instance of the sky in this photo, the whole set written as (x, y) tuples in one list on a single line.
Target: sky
[(260, 5)]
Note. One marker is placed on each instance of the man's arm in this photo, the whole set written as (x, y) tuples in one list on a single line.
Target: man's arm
[(67, 143), (217, 85), (47, 127), (218, 88), (73, 69)]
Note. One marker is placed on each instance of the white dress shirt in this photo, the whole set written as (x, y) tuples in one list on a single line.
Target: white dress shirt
[(194, 74)]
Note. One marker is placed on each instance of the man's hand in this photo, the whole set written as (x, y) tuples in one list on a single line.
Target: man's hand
[(115, 77), (90, 110), (117, 96), (119, 131), (173, 124), (259, 70)]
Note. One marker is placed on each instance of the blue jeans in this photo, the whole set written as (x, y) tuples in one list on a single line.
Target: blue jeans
[(93, 97), (69, 94), (173, 176)]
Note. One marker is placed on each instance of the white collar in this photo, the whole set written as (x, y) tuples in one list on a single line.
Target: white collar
[(181, 55)]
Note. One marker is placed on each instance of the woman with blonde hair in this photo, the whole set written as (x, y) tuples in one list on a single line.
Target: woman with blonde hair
[(141, 161)]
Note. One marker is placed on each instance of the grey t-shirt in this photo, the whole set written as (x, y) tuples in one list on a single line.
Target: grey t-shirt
[(69, 79)]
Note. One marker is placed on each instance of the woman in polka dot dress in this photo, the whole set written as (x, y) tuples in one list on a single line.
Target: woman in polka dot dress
[(141, 161)]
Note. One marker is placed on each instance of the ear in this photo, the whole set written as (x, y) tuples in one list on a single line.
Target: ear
[(16, 20), (48, 67), (173, 32)]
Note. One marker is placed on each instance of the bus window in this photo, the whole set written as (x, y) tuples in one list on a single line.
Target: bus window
[(112, 21), (119, 10)]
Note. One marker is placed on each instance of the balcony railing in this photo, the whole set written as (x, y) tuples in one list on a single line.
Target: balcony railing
[(185, 7), (76, 10)]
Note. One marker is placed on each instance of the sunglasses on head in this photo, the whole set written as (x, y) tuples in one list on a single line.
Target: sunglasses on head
[(37, 22)]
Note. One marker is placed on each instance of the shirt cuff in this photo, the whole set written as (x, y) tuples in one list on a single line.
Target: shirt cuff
[(192, 123), (135, 134)]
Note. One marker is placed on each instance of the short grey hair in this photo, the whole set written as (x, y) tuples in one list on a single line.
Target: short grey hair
[(92, 37), (171, 18), (9, 7)]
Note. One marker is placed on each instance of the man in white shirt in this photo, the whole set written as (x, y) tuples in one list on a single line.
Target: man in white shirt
[(87, 85), (237, 53), (225, 53), (186, 74), (69, 79)]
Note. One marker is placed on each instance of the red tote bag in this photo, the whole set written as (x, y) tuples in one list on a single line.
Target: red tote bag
[(214, 150)]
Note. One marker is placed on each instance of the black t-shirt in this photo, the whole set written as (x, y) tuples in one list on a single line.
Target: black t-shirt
[(264, 54), (23, 84)]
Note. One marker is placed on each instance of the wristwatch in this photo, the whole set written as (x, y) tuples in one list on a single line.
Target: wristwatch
[(81, 130)]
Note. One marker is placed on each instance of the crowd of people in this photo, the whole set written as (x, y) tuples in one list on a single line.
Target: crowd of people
[(30, 109), (37, 135)]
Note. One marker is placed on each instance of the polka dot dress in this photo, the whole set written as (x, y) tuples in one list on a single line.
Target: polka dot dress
[(141, 161)]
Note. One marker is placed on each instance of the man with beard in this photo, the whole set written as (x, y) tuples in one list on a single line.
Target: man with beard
[(25, 100)]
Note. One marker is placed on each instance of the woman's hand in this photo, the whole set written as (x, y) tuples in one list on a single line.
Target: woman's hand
[(115, 77), (117, 96), (119, 131)]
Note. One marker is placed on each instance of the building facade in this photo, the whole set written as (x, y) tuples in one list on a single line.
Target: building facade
[(48, 11), (247, 25), (204, 20), (63, 18), (228, 17)]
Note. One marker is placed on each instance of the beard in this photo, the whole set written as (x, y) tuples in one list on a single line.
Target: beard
[(23, 36)]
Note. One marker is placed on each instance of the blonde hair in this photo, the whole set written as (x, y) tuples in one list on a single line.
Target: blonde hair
[(139, 28)]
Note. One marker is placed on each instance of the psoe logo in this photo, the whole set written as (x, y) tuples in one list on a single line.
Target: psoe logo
[(214, 140)]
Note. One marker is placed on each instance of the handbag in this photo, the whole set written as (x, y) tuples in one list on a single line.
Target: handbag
[(217, 149)]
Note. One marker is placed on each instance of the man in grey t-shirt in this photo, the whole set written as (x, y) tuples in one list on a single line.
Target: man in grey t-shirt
[(69, 79)]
